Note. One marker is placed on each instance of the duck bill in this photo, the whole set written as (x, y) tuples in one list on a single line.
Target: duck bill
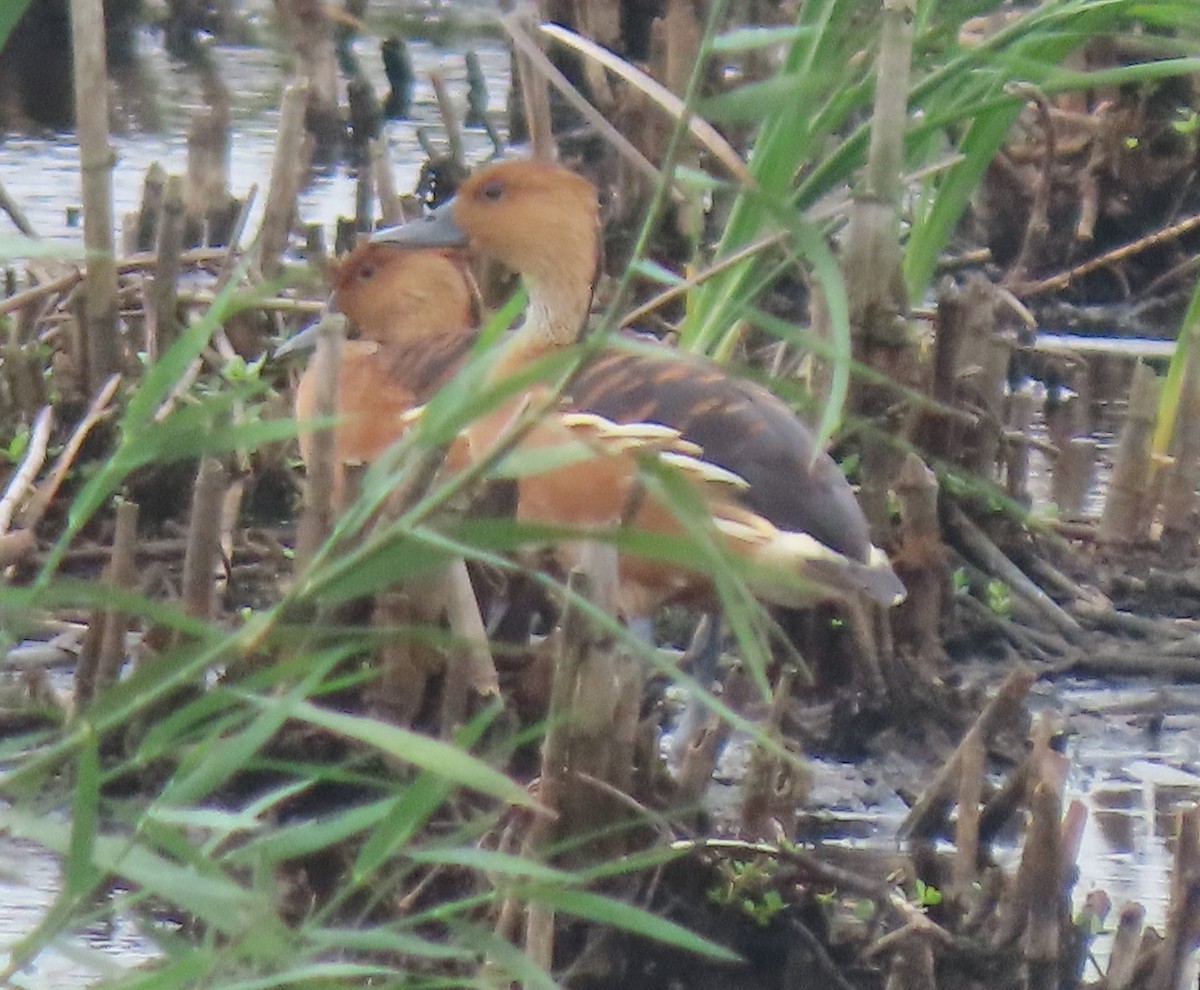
[(435, 230), (300, 342)]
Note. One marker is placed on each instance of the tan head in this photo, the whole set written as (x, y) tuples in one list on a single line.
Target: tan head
[(539, 220), (392, 296), (532, 217)]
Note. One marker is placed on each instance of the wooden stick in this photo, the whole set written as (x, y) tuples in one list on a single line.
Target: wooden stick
[(17, 215), (533, 56), (63, 283), (1183, 912), (40, 501), (320, 472), (153, 189), (928, 815), (166, 272), (450, 120), (287, 169), (31, 464), (203, 544), (121, 573), (96, 161), (1123, 960), (992, 559)]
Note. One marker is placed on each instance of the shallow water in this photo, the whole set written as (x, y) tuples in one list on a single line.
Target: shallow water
[(42, 173), (1132, 780)]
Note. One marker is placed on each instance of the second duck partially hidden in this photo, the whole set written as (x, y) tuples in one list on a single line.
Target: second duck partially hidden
[(772, 498)]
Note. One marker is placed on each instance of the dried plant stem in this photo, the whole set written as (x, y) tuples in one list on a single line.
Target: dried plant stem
[(96, 161), (15, 213), (928, 814), (317, 517), (163, 300), (287, 170), (535, 101), (536, 59), (146, 227), (700, 129), (63, 283), (1123, 960), (1180, 523), (450, 119), (390, 210), (477, 674), (1124, 519), (1063, 279), (40, 501), (122, 573), (102, 647), (204, 539), (1183, 912), (993, 560), (31, 464)]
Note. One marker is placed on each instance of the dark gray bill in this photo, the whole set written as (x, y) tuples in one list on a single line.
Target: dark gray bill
[(436, 229), (301, 341)]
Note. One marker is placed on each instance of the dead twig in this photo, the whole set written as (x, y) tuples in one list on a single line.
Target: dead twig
[(40, 501), (31, 464)]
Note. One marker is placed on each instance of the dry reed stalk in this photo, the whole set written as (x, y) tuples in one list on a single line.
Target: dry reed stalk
[(1040, 910), (275, 304), (287, 170), (1123, 515), (1181, 520), (15, 213), (1016, 461), (204, 539), (206, 191), (536, 59), (1183, 911), (450, 119), (122, 573), (96, 161), (1072, 477), (1063, 279), (231, 507), (1123, 959), (966, 825), (476, 672), (316, 520), (928, 815), (62, 283), (162, 311), (22, 479), (307, 25), (33, 511), (871, 260), (993, 561), (535, 102), (102, 648), (922, 561), (405, 664), (153, 190), (707, 135), (391, 211)]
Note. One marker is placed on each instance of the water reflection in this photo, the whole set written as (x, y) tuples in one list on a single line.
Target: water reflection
[(42, 174)]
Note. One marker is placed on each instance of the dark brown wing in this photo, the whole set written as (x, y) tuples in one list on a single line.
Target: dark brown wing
[(742, 427), (424, 365)]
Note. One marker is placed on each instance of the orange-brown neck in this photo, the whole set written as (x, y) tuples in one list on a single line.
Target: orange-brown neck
[(560, 287)]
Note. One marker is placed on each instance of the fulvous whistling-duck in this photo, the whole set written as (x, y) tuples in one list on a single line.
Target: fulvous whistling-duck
[(414, 315), (773, 498)]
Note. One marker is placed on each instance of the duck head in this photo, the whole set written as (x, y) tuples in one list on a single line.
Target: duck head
[(538, 220)]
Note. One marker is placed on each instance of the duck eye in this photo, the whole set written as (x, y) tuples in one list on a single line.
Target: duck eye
[(492, 190), (366, 272)]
